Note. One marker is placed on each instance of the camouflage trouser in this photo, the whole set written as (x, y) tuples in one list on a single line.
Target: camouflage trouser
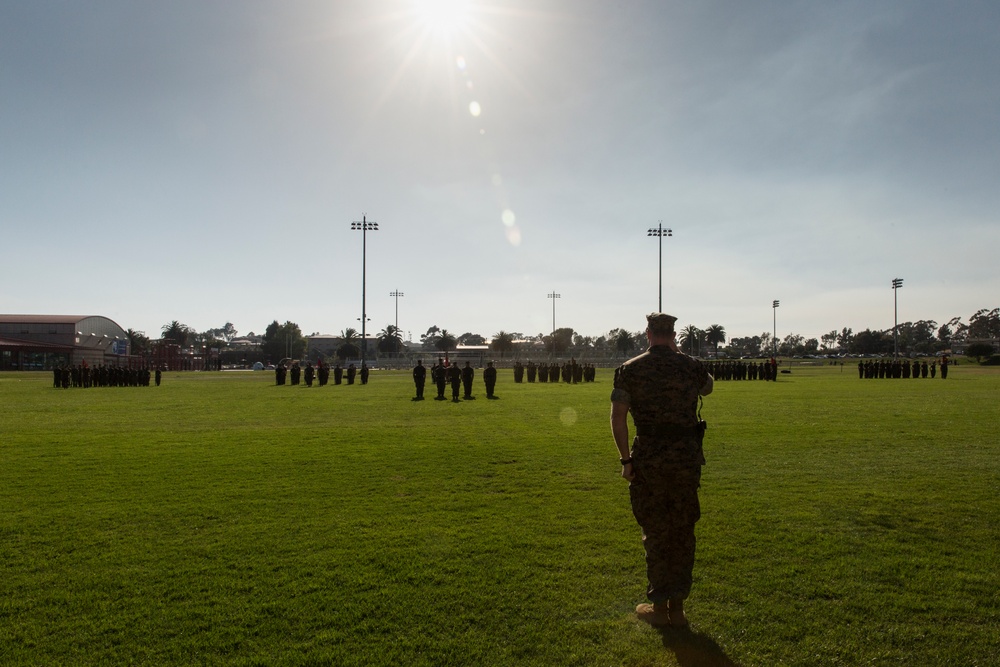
[(664, 498)]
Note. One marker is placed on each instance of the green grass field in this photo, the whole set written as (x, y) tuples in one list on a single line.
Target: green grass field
[(219, 519)]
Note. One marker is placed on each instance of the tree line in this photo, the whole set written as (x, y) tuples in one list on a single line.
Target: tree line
[(923, 337)]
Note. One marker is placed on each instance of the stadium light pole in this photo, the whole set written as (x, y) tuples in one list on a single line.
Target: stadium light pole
[(660, 232), (397, 294), (896, 284), (365, 226), (554, 296), (774, 336)]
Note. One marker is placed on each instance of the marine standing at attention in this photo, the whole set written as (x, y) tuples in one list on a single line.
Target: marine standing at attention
[(661, 390), (419, 378), (468, 375), (490, 378), (455, 377), (439, 375)]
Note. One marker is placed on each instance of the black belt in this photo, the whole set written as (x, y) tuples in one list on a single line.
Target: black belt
[(669, 430)]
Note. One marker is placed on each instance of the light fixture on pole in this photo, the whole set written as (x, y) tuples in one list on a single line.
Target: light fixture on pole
[(365, 226), (397, 294), (774, 339), (660, 232), (554, 296), (896, 284)]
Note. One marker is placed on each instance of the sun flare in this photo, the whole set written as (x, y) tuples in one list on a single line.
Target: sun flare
[(442, 16)]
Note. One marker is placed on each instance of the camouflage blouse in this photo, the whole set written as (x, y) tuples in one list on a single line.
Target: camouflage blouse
[(660, 387)]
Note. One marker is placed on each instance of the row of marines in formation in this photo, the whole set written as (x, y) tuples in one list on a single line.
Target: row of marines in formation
[(320, 373), (738, 369), (444, 373), (901, 368), (83, 376), (569, 372)]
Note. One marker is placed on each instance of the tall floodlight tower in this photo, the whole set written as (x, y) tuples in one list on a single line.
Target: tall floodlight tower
[(397, 294), (554, 296), (364, 226), (660, 232), (896, 284), (774, 336)]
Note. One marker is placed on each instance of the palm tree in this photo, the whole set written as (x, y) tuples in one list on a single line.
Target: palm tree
[(348, 349), (445, 341), (715, 334), (690, 339), (137, 341), (390, 340), (176, 332), (502, 342), (624, 342)]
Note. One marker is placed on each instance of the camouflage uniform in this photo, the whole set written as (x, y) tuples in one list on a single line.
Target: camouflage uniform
[(419, 378), (468, 374), (490, 378), (454, 374), (661, 389)]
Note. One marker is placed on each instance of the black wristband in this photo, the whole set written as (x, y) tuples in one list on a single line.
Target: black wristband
[(625, 462)]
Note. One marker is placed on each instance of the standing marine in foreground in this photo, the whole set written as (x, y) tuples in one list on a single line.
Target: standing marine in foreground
[(661, 389)]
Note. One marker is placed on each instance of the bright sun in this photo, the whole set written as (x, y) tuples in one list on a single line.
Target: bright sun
[(442, 16)]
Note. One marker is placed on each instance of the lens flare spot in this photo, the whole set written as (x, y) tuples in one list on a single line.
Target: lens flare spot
[(567, 416), (475, 109), (460, 62), (508, 217), (497, 180), (513, 236)]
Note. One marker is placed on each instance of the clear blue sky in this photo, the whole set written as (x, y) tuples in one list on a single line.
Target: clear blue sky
[(202, 161)]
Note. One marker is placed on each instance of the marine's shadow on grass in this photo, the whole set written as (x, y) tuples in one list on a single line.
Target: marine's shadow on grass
[(694, 649)]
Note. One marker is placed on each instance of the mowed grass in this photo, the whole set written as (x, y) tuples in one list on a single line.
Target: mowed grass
[(219, 519)]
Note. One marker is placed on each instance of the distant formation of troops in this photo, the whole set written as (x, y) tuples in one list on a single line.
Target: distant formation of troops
[(740, 369), (901, 368), (459, 378), (320, 374), (443, 375), (83, 376), (569, 372)]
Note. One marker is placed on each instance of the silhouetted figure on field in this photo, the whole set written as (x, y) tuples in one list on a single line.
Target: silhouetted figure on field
[(455, 377), (490, 378), (440, 378), (419, 378), (467, 376)]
